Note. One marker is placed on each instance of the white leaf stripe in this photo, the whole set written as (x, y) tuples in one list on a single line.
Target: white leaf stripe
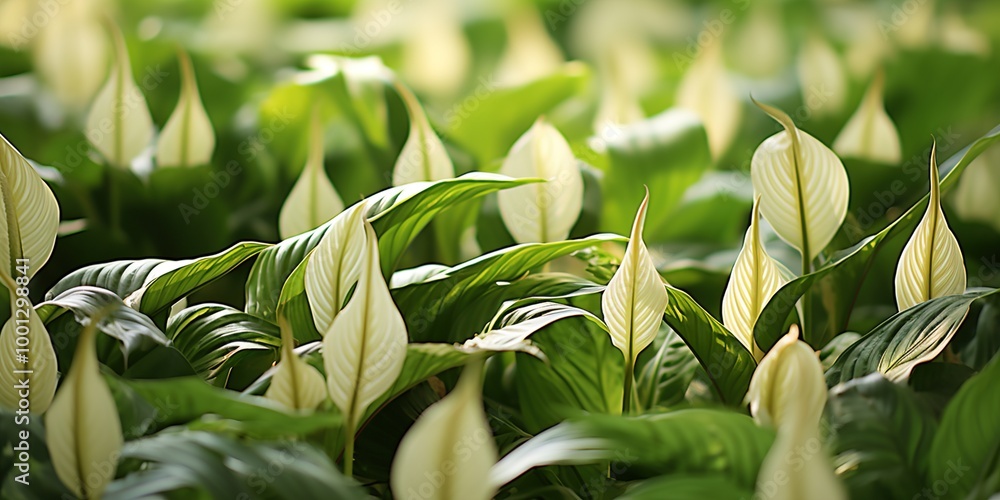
[(313, 200), (931, 264), (30, 218), (754, 279), (803, 186), (450, 450), (635, 299), (335, 265), (83, 431), (364, 349)]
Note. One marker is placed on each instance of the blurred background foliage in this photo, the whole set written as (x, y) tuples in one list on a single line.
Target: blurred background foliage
[(646, 92)]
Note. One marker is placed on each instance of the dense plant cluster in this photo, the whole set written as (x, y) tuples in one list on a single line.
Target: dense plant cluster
[(373, 274)]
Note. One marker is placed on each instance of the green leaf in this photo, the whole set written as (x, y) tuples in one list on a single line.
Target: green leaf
[(880, 437), (729, 365), (665, 378), (908, 338), (193, 464), (152, 285), (191, 401), (432, 307), (677, 487), (397, 214), (966, 448), (668, 153), (852, 265), (689, 442), (984, 346), (583, 373), (207, 334), (138, 335)]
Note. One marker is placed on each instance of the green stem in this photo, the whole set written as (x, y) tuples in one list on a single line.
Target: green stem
[(806, 298), (627, 392), (349, 450)]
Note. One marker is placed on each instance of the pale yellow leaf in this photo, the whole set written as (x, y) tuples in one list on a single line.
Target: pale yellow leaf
[(931, 264), (788, 392), (335, 265), (313, 199), (436, 54), (635, 299), (423, 157), (802, 185), (530, 53), (542, 212), (870, 134), (119, 125), (706, 90), (364, 349), (31, 340), (187, 139), (824, 84), (29, 216), (83, 433), (449, 451), (755, 278), (71, 54), (295, 383), (975, 197)]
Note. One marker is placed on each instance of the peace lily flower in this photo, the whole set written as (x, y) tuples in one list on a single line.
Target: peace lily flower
[(931, 264), (788, 392), (119, 125), (71, 54), (187, 138), (755, 278), (870, 134), (546, 211)]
